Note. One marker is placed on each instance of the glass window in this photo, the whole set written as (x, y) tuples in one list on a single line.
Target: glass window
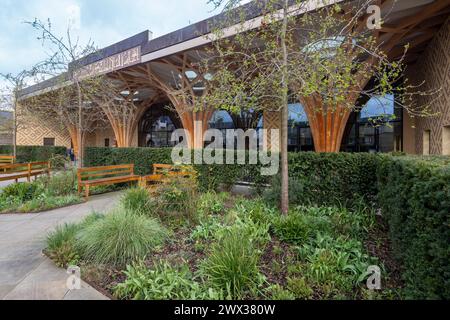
[(49, 141), (446, 140), (426, 142), (160, 133)]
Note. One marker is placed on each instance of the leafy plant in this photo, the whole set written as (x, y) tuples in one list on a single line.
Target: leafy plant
[(120, 238), (300, 225), (256, 209), (162, 281), (22, 191), (336, 265), (277, 292), (59, 184), (211, 203)]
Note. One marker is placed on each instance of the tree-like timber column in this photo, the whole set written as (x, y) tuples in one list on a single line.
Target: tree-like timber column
[(327, 127), (185, 88), (74, 135), (124, 118)]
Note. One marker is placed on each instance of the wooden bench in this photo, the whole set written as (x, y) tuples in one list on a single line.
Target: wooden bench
[(96, 176), (6, 159), (16, 171), (163, 172)]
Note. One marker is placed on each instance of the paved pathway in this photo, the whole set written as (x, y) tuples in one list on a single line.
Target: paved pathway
[(25, 273)]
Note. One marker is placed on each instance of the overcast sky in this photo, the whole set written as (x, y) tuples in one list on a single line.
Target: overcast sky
[(103, 21)]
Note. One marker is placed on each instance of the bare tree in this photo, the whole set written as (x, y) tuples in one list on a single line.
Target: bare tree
[(10, 100), (72, 95)]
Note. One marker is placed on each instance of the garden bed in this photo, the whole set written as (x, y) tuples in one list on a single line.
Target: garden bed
[(45, 193), (177, 244)]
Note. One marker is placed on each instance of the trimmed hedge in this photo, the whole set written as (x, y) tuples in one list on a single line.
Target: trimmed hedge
[(334, 178), (33, 153), (414, 195), (210, 176), (143, 158)]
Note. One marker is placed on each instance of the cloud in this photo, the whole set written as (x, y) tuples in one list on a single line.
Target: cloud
[(102, 21), (74, 13)]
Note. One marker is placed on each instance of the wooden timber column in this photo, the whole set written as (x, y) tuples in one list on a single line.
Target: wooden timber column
[(327, 127), (124, 119), (185, 90), (73, 132)]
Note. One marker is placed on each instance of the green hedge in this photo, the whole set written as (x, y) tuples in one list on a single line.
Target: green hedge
[(33, 153), (414, 195), (143, 158), (210, 176), (332, 178)]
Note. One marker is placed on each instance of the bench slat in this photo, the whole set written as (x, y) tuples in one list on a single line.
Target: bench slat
[(120, 166), (109, 173)]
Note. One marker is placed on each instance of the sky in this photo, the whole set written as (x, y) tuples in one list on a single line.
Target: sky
[(103, 21)]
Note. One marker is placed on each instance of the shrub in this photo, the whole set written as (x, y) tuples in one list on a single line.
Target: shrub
[(211, 203), (120, 238), (177, 198), (162, 282), (300, 225), (59, 184), (334, 178), (138, 200), (22, 191), (272, 195), (210, 177), (61, 244), (232, 264)]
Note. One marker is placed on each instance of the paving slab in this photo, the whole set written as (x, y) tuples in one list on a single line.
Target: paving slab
[(25, 273)]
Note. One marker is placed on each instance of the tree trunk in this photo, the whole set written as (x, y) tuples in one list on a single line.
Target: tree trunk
[(284, 118), (15, 127), (80, 126)]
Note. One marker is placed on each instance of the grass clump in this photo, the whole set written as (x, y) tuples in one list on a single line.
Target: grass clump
[(61, 244), (232, 264), (120, 238), (138, 200)]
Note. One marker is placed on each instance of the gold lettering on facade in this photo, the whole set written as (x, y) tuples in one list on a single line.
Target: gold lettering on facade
[(109, 64)]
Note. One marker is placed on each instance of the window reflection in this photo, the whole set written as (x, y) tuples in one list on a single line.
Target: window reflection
[(377, 127)]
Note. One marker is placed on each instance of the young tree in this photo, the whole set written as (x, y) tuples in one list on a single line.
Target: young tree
[(319, 52), (72, 94), (252, 68), (10, 100)]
